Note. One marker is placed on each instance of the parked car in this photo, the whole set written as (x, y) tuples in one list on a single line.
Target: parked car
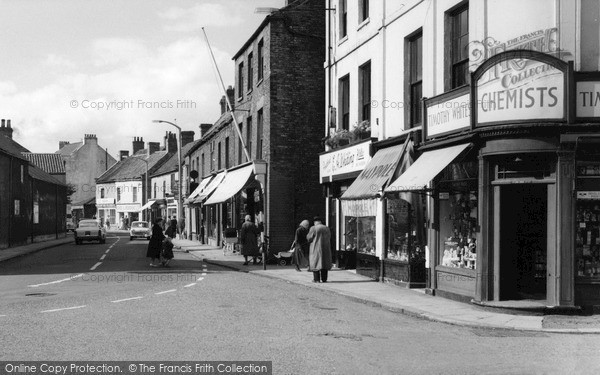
[(140, 229), (90, 230), (70, 224)]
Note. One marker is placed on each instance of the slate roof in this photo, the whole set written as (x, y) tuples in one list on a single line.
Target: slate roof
[(39, 174), (11, 147), (132, 168), (171, 165), (69, 148), (50, 163)]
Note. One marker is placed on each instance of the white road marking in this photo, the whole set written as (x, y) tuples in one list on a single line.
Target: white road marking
[(127, 299), (64, 308), (57, 281), (203, 273), (95, 266), (189, 285), (102, 257), (167, 291), (2, 316), (200, 278), (106, 252)]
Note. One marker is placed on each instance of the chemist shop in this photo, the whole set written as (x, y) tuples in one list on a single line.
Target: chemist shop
[(510, 166)]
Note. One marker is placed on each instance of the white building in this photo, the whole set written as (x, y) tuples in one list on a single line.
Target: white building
[(508, 91)]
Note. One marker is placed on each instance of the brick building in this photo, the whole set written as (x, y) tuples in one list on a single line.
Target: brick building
[(279, 110)]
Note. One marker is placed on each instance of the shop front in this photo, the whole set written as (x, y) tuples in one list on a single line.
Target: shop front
[(377, 227), (239, 194), (194, 210), (209, 217), (338, 170), (511, 177)]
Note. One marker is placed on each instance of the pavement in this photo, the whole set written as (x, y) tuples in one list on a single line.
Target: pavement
[(412, 302)]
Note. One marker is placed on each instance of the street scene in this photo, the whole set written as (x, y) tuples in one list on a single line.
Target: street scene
[(300, 187)]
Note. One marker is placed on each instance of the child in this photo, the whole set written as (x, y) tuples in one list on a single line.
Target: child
[(167, 252)]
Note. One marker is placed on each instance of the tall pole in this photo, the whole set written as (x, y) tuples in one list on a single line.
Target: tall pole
[(180, 195), (237, 128), (260, 167)]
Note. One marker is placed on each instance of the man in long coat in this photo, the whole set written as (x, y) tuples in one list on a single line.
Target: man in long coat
[(319, 259), (248, 240)]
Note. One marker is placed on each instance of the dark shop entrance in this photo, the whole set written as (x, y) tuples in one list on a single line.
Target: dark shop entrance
[(523, 240)]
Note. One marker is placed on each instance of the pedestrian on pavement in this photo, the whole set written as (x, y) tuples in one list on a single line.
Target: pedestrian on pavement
[(174, 222), (108, 223), (301, 246), (167, 252), (155, 243), (126, 223), (181, 228), (319, 262), (248, 240), (171, 230)]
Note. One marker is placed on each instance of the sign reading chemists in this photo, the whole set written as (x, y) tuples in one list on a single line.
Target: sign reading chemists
[(519, 89)]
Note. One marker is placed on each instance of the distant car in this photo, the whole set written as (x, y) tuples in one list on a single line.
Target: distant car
[(90, 230), (140, 229), (70, 224)]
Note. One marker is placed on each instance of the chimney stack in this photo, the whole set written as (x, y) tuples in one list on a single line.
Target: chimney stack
[(231, 95), (62, 144), (153, 147), (223, 104), (171, 142), (5, 129), (123, 154), (138, 144), (187, 136), (204, 128), (90, 139)]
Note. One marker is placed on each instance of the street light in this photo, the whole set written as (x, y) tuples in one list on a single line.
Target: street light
[(180, 197)]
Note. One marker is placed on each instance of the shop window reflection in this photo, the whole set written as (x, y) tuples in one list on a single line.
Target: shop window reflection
[(360, 234)]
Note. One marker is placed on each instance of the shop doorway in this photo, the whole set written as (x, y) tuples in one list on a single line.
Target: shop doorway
[(523, 241)]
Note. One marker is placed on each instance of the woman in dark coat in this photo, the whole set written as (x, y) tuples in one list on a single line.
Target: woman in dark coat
[(155, 244), (248, 240), (301, 246)]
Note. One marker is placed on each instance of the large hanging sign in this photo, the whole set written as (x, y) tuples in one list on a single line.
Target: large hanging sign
[(520, 86)]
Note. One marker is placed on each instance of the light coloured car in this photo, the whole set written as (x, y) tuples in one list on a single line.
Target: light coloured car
[(140, 229), (90, 230)]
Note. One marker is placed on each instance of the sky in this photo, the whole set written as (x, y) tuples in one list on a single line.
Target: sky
[(75, 67)]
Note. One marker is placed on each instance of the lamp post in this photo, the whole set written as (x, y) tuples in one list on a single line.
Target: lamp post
[(180, 195)]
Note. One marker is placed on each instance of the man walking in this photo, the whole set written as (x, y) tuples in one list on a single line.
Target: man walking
[(319, 237)]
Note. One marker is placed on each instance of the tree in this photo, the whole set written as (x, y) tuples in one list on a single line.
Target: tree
[(71, 189)]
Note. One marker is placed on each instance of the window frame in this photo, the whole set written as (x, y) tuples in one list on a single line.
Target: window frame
[(259, 133), (261, 60), (414, 78), (365, 91), (343, 19), (363, 11), (454, 59), (249, 136), (344, 102), (240, 80), (250, 71)]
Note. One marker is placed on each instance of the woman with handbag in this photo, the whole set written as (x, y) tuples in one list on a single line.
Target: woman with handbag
[(301, 246)]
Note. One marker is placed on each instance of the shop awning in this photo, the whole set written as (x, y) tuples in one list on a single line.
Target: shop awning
[(148, 205), (212, 185), (233, 182), (377, 173), (427, 166), (198, 190)]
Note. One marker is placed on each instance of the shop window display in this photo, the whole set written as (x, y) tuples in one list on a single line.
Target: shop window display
[(458, 215), (404, 242), (360, 234), (587, 235)]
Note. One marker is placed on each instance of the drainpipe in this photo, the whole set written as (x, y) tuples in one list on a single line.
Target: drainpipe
[(11, 203)]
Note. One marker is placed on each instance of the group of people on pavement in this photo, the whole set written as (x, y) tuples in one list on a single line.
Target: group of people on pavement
[(160, 246), (313, 243)]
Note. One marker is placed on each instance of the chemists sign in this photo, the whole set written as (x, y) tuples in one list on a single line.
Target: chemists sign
[(520, 86)]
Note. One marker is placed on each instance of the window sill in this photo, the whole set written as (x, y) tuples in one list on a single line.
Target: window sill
[(239, 98), (341, 41), (363, 23), (260, 81), (248, 92)]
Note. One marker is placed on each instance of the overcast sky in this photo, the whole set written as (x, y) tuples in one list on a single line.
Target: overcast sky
[(63, 59)]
